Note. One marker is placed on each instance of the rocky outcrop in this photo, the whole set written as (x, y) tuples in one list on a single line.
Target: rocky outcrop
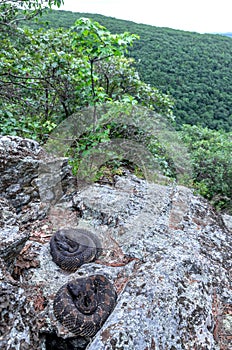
[(166, 250)]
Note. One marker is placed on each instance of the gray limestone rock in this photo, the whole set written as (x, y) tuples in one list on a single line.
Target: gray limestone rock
[(19, 161), (166, 250), (228, 221), (183, 269)]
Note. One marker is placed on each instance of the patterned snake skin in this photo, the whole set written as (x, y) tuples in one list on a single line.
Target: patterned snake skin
[(84, 304), (70, 248)]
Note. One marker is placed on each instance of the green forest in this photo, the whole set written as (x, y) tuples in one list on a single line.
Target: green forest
[(195, 69), (54, 63)]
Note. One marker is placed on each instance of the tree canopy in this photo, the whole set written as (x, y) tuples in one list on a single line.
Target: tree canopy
[(14, 11), (47, 73), (195, 69)]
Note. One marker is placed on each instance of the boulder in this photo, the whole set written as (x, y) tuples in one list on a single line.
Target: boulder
[(166, 250)]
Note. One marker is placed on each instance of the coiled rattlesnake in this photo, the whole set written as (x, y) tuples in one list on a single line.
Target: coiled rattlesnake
[(83, 304), (70, 248)]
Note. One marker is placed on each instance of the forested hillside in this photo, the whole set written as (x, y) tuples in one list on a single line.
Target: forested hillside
[(227, 34), (195, 69), (49, 74)]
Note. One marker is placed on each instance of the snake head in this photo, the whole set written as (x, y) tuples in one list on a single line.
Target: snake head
[(64, 243), (83, 296)]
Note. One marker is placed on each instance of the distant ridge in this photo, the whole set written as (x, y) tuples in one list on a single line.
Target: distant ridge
[(195, 69), (227, 34)]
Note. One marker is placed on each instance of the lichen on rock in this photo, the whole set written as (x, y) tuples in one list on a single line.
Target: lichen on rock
[(166, 250)]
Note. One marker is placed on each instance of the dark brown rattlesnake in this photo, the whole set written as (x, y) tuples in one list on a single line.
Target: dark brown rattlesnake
[(84, 304), (70, 248)]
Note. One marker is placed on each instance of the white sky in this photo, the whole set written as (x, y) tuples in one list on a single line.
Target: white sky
[(203, 16)]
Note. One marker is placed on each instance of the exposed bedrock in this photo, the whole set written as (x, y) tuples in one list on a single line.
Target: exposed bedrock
[(166, 250)]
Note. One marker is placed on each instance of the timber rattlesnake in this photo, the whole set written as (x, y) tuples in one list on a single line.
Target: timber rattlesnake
[(82, 305), (70, 248)]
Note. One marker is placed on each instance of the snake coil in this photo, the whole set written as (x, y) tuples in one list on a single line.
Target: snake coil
[(70, 248), (83, 305)]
